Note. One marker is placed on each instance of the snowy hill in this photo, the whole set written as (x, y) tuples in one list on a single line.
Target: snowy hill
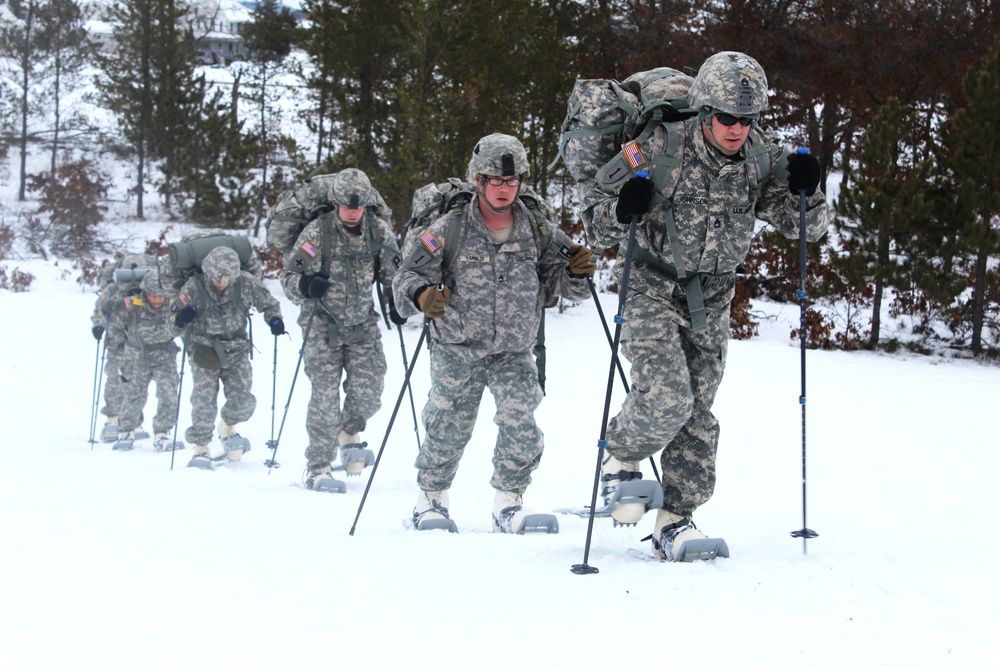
[(114, 558)]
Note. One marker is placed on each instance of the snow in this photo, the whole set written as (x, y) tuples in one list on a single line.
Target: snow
[(115, 558)]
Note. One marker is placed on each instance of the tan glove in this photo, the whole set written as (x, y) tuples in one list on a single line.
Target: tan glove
[(579, 261), (431, 300)]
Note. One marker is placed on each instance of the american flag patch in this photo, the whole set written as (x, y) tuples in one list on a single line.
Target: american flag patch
[(309, 249), (634, 155), (183, 298), (430, 241)]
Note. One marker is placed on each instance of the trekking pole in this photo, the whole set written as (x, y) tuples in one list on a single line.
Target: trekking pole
[(273, 444), (392, 418), (180, 386), (406, 368), (804, 533), (617, 360), (274, 388), (98, 381), (584, 567)]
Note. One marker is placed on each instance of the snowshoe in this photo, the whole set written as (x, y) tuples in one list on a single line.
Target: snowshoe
[(162, 442), (235, 446), (139, 434), (354, 458), (627, 497), (124, 443), (202, 458), (321, 480), (431, 512), (110, 432), (510, 516), (676, 538)]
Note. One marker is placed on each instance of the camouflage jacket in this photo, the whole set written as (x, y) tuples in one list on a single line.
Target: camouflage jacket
[(223, 316), (143, 325), (715, 205), (350, 265), (498, 290)]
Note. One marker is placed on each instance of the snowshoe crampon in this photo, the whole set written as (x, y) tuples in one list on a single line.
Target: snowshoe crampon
[(201, 461), (630, 501), (322, 481)]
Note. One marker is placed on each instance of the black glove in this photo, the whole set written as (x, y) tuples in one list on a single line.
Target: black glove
[(185, 316), (313, 286), (277, 326), (803, 173), (634, 199), (394, 315), (98, 332)]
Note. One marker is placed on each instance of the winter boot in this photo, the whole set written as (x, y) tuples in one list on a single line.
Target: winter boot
[(124, 442), (627, 497), (431, 512), (110, 431), (202, 458), (676, 538), (320, 479), (353, 456), (139, 434), (510, 516), (232, 442), (162, 442)]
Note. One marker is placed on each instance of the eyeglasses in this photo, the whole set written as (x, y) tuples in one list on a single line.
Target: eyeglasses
[(729, 120), (509, 182)]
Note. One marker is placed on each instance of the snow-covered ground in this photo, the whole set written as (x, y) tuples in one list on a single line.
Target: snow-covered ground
[(112, 558)]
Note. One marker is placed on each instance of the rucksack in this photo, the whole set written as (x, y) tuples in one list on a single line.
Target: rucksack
[(603, 114), (298, 206), (185, 256)]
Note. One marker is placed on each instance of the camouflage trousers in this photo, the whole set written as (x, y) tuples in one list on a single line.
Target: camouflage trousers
[(236, 379), (453, 405), (356, 355), (156, 363), (114, 368), (674, 379)]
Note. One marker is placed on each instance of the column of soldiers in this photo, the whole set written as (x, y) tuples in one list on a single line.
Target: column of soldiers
[(480, 276)]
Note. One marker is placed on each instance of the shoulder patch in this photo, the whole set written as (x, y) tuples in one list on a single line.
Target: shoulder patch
[(430, 241), (309, 249), (183, 298)]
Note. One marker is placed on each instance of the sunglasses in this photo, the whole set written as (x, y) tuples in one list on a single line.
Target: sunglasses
[(729, 120)]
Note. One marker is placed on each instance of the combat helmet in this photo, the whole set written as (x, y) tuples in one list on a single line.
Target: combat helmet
[(731, 82), (351, 188), (151, 284), (221, 266), (498, 155)]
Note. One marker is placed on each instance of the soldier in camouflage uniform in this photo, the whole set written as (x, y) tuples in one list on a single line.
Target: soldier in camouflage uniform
[(329, 274), (126, 269), (692, 234), (484, 312), (214, 304), (150, 354)]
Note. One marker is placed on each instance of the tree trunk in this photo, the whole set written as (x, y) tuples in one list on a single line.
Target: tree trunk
[(979, 300)]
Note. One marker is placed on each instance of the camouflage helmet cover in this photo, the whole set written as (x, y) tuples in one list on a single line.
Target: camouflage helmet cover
[(221, 265), (731, 82), (498, 155), (351, 188), (151, 284)]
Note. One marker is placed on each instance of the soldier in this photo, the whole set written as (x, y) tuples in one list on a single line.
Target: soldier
[(215, 303), (484, 312), (690, 241), (118, 280), (150, 354), (329, 274)]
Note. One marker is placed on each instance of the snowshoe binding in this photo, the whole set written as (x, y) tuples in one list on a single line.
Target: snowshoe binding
[(510, 516), (354, 458), (162, 442), (202, 458), (431, 512), (139, 434), (110, 431), (124, 443), (322, 480), (676, 538), (234, 446)]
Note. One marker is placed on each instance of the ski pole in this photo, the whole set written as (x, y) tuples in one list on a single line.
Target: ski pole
[(804, 533), (406, 368), (392, 418), (584, 567), (274, 387), (98, 381), (617, 359), (180, 386), (273, 444)]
